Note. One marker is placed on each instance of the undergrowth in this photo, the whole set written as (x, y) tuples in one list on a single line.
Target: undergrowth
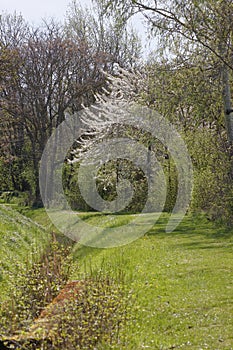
[(90, 320), (34, 287)]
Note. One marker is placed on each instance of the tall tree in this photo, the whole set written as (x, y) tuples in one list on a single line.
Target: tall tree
[(190, 96), (190, 25), (55, 70), (53, 74), (110, 36)]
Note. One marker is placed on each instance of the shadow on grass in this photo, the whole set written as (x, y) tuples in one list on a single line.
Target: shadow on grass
[(205, 233), (192, 225), (206, 245)]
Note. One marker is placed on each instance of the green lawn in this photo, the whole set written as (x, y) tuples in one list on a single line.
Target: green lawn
[(182, 285)]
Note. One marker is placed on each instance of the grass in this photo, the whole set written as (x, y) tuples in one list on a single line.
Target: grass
[(181, 282), (93, 316), (22, 241)]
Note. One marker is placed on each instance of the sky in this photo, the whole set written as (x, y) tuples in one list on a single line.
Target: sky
[(34, 11)]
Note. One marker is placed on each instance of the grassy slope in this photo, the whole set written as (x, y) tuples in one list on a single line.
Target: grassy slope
[(182, 282), (21, 242)]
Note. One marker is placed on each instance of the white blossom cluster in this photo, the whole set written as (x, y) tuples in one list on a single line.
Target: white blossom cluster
[(104, 119)]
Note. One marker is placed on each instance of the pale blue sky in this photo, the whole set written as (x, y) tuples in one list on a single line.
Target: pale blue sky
[(34, 11)]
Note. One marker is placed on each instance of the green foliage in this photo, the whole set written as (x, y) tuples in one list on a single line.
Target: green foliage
[(6, 183), (71, 188), (16, 198), (212, 176), (110, 174), (190, 97)]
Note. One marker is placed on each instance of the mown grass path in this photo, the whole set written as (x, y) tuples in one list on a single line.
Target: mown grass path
[(182, 285)]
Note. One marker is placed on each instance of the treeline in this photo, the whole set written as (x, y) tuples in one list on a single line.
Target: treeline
[(54, 69), (47, 71), (190, 96)]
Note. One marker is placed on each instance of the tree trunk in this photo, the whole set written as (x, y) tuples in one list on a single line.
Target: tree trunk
[(227, 103)]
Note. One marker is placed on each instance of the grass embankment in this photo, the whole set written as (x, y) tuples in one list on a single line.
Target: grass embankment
[(32, 272), (182, 284), (22, 242), (30, 316)]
